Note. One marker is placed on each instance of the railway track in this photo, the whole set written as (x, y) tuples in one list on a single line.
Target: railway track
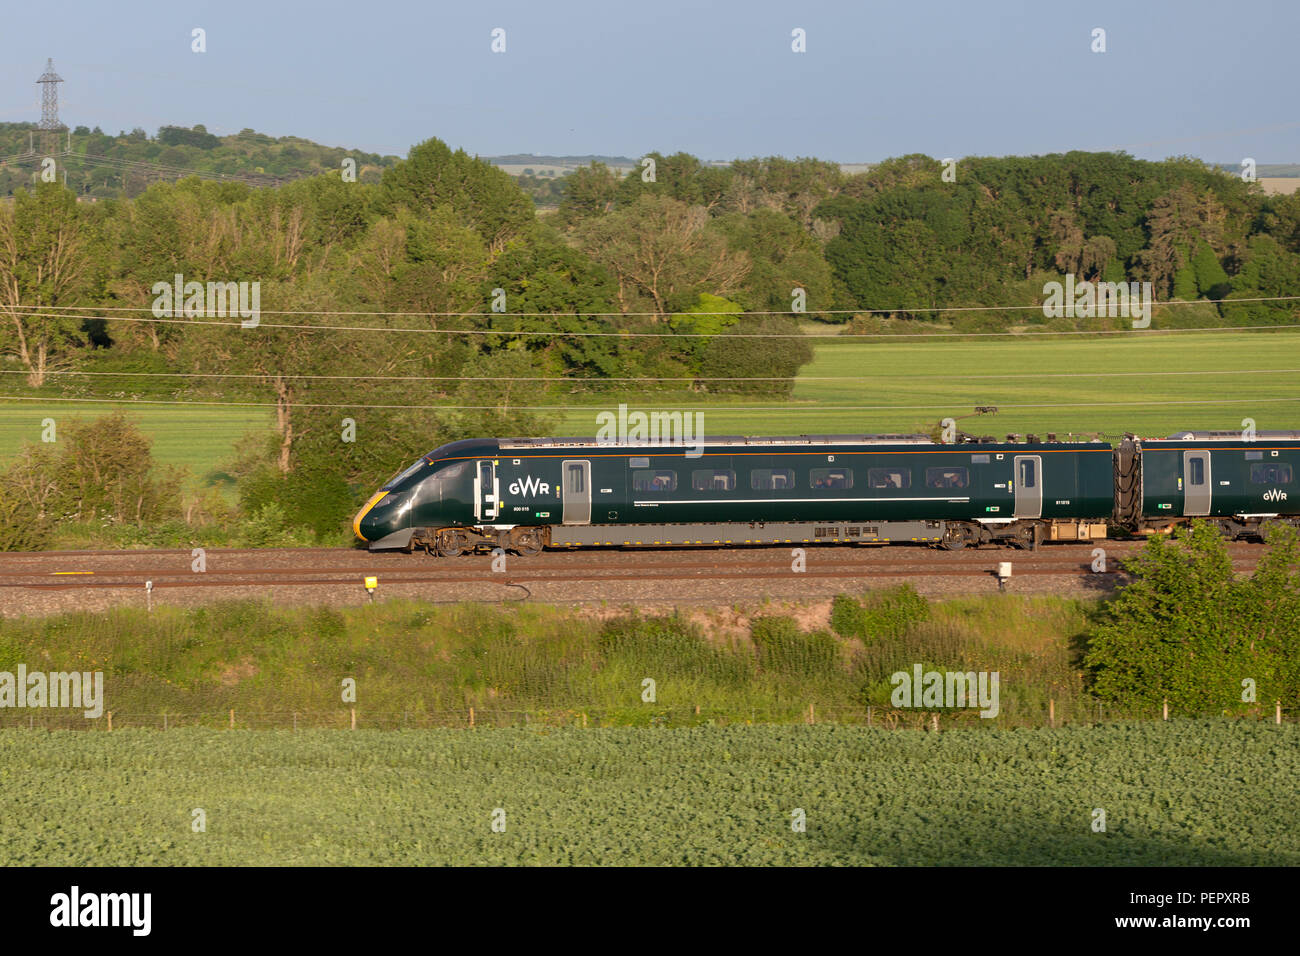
[(344, 567)]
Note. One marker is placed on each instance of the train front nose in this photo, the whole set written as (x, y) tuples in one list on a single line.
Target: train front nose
[(379, 517)]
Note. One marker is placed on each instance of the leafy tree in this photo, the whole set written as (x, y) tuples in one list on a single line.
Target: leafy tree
[(663, 252), (1185, 629), (47, 260), (478, 194)]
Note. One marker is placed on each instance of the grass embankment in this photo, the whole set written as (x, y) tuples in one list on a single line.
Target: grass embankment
[(1182, 793), (419, 665)]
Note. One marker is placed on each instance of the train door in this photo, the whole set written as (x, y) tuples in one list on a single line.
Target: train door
[(1196, 483), (1029, 486), (577, 492), (487, 496)]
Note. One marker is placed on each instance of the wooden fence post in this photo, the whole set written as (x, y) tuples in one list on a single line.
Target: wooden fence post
[(232, 718), (868, 715), (471, 716), (354, 719), (1051, 712), (1277, 713), (934, 722), (1165, 712), (110, 720)]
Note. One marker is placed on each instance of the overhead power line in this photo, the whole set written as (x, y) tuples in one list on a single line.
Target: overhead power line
[(553, 333), (714, 409), (686, 379), (592, 315)]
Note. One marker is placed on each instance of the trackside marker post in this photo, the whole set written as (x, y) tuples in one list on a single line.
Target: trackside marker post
[(371, 584)]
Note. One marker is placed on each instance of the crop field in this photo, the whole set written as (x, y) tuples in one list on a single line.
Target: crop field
[(1149, 383), (197, 437), (1182, 793)]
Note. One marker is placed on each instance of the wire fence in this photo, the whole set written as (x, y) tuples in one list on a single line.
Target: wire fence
[(1054, 714)]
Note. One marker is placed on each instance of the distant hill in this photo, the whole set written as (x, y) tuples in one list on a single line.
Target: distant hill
[(1266, 170), (103, 165)]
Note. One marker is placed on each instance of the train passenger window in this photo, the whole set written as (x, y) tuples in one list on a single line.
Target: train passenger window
[(946, 476), (1196, 471), (654, 480), (771, 479), (713, 479), (837, 478), (889, 477), (1270, 473)]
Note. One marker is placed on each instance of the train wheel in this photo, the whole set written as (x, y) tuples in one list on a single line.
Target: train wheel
[(954, 539), (451, 544), (527, 541)]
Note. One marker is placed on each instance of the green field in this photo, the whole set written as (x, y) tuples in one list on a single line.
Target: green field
[(1182, 793), (1150, 383)]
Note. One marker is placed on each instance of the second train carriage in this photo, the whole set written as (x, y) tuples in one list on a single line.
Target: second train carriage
[(1240, 485), (531, 493)]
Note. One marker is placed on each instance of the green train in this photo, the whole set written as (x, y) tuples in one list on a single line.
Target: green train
[(527, 494)]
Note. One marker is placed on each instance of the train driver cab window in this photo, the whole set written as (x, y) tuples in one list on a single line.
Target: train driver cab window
[(713, 479), (1270, 473), (947, 476), (404, 474), (889, 477), (771, 479), (654, 480), (838, 479), (1196, 471)]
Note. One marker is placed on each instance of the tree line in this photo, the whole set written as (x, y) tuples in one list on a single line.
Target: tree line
[(454, 303)]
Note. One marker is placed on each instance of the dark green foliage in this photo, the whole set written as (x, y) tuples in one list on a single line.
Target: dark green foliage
[(728, 355), (848, 616), (1211, 280), (667, 647), (883, 615), (785, 649), (1188, 631)]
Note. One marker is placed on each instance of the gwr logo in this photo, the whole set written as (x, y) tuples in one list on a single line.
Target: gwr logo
[(530, 486), (1275, 494)]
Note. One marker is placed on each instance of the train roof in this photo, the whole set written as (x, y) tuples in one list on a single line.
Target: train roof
[(1274, 435), (715, 440)]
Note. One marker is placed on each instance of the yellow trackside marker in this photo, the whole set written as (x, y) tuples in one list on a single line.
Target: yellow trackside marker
[(72, 572), (372, 583)]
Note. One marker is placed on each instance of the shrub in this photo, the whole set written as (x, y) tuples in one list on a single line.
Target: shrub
[(1185, 629), (785, 649)]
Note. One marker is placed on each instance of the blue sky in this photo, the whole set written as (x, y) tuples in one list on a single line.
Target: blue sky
[(717, 79)]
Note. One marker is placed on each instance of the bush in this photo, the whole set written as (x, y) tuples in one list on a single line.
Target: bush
[(885, 614), (269, 527), (1185, 629), (848, 617), (21, 528), (784, 649)]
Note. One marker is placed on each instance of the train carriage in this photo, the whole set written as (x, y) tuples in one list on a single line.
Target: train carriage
[(1240, 485), (530, 493)]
